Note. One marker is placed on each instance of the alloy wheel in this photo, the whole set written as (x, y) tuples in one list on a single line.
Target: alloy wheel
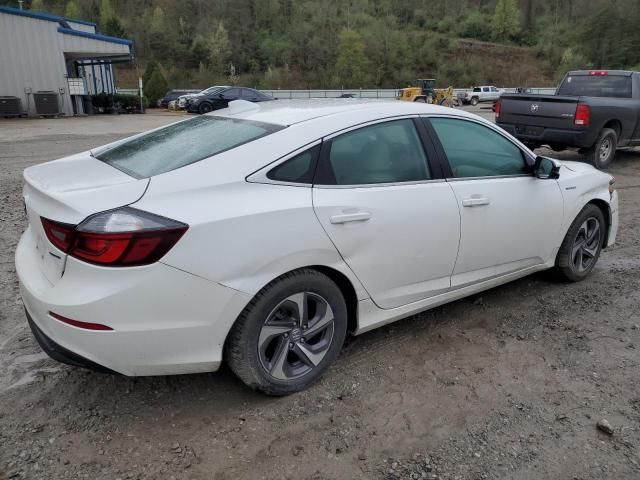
[(296, 336), (586, 245), (605, 149)]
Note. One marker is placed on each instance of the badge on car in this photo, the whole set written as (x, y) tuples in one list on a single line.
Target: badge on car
[(534, 107)]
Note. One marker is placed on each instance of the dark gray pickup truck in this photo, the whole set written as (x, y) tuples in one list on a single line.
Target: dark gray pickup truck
[(596, 111)]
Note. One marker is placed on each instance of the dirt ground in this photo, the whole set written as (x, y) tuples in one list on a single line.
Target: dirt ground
[(508, 384)]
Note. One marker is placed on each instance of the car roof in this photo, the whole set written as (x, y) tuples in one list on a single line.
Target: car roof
[(290, 112)]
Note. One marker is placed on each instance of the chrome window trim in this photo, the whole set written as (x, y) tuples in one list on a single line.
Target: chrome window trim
[(260, 176), (492, 177), (389, 184)]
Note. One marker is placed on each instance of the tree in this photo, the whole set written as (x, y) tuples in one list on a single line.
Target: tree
[(352, 65), (114, 28), (72, 10), (106, 12), (37, 5), (156, 86), (152, 66), (506, 20), (219, 49)]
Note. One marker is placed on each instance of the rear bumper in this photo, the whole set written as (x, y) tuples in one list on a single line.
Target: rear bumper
[(165, 321), (551, 136), (58, 352)]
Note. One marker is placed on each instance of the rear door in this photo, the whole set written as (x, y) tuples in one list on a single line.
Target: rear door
[(510, 219), (390, 214)]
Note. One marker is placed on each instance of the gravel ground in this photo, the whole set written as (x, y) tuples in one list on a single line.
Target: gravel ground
[(508, 384)]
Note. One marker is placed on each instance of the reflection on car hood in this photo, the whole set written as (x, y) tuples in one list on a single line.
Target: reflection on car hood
[(576, 166)]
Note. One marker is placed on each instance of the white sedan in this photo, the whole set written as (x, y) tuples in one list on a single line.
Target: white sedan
[(261, 234)]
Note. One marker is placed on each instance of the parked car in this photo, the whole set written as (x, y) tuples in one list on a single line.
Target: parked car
[(172, 95), (182, 99), (220, 98), (348, 95), (261, 235), (480, 94), (596, 111)]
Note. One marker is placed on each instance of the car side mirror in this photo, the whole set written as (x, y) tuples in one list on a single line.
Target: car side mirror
[(546, 168)]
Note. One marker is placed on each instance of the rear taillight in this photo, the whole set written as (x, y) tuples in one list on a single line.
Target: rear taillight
[(117, 238), (59, 234), (583, 115), (497, 109), (599, 72)]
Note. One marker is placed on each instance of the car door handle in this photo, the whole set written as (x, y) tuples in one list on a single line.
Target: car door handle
[(350, 217), (475, 201)]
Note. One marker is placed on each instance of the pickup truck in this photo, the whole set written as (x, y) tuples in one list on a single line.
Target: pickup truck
[(480, 94), (595, 111)]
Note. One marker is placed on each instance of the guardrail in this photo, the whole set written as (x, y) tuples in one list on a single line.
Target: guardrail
[(359, 93)]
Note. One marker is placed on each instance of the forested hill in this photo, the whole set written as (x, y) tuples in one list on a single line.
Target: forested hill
[(366, 43)]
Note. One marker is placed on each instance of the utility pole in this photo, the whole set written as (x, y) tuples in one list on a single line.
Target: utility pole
[(20, 2)]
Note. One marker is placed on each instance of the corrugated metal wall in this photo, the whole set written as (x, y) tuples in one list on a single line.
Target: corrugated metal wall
[(31, 58)]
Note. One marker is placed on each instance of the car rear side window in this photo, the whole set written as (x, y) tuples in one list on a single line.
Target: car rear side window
[(183, 143), (299, 169), (474, 150), (616, 86), (388, 152)]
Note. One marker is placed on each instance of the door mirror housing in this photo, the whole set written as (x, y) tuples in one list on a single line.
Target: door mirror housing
[(546, 168)]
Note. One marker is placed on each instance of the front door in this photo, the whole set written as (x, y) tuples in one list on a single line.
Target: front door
[(510, 219), (395, 225)]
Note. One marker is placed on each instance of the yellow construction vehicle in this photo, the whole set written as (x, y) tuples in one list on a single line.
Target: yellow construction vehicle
[(423, 90)]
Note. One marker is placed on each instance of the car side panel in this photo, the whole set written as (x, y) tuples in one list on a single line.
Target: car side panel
[(243, 235)]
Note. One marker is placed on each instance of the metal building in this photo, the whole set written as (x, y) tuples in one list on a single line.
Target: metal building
[(51, 62)]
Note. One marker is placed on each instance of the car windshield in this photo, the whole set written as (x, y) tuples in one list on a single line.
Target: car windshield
[(182, 144), (211, 90), (616, 86)]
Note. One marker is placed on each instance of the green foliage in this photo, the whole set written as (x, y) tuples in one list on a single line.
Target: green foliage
[(352, 65), (71, 10), (506, 20), (219, 49), (156, 86), (106, 12), (152, 66), (114, 28), (37, 5), (477, 25), (300, 43)]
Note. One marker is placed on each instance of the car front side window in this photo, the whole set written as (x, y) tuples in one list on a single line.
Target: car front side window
[(474, 150), (388, 152)]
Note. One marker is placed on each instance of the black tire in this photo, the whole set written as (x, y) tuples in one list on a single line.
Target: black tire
[(205, 108), (474, 101), (575, 265), (258, 333), (602, 153), (420, 100)]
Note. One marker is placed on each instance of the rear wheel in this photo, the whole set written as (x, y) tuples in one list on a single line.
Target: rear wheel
[(601, 154), (582, 245), (205, 108), (289, 334)]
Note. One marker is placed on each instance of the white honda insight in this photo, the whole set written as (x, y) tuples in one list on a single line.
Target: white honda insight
[(260, 235)]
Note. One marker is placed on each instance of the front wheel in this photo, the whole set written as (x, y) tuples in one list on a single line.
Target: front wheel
[(474, 101), (582, 245), (289, 334), (601, 154)]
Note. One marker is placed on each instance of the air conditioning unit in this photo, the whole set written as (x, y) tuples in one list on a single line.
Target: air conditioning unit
[(46, 103), (10, 107)]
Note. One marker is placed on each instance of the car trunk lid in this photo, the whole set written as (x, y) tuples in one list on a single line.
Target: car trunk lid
[(68, 191)]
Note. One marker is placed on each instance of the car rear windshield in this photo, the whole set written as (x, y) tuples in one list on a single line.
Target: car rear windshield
[(182, 144), (617, 86)]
